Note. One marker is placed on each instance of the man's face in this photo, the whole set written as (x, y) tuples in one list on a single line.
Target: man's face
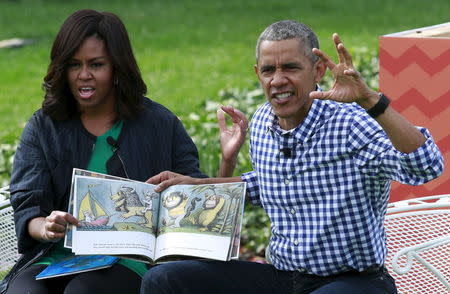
[(287, 76)]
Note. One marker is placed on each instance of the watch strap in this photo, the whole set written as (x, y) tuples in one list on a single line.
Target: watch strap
[(380, 107)]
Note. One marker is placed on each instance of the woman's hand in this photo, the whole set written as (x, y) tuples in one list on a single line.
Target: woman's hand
[(51, 228)]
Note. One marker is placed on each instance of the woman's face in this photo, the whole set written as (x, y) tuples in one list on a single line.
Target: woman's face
[(90, 76)]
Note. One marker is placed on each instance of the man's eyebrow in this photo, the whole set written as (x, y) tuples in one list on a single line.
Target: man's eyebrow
[(267, 67), (291, 65), (284, 65)]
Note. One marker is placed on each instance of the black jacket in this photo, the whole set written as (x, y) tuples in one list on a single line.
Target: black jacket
[(48, 151)]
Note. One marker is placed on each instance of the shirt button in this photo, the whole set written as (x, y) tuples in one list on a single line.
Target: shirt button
[(296, 242), (293, 211), (286, 181)]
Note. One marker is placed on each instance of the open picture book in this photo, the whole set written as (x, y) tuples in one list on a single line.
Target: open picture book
[(129, 219)]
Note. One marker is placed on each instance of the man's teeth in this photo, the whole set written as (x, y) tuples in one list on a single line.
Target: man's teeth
[(283, 95)]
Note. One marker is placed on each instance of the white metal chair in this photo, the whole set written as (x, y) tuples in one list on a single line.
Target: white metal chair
[(418, 240), (8, 240)]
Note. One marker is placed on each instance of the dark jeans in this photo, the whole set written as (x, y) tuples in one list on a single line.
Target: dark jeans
[(200, 276), (116, 279)]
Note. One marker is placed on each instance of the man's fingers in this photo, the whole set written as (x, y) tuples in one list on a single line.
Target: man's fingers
[(337, 44), (237, 116), (184, 180), (166, 184), (325, 58), (336, 39), (155, 179), (234, 114), (221, 120), (162, 176), (351, 72), (319, 94), (347, 58)]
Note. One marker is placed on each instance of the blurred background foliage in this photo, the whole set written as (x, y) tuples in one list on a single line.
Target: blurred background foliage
[(194, 56)]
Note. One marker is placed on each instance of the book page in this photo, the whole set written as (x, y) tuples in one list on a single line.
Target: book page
[(199, 220), (82, 172), (117, 217), (195, 245), (236, 239)]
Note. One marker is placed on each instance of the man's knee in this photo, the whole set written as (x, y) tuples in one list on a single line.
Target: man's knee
[(161, 278)]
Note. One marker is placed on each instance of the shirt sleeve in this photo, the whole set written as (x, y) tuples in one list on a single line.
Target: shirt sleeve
[(377, 157), (252, 187), (422, 165)]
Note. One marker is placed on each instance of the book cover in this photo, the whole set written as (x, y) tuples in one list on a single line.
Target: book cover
[(76, 264)]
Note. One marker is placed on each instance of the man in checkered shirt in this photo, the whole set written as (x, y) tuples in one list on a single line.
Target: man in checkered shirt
[(323, 162)]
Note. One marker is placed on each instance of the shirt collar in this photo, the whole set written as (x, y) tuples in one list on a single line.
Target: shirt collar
[(306, 128)]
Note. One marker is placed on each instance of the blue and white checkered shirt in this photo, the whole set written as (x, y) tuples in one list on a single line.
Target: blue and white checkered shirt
[(327, 199)]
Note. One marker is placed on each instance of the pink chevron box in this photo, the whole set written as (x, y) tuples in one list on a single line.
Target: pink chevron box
[(415, 75)]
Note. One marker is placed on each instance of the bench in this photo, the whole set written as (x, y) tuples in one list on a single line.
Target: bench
[(8, 240), (418, 241)]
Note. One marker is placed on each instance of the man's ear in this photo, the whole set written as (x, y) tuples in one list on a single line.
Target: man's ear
[(255, 67), (319, 70)]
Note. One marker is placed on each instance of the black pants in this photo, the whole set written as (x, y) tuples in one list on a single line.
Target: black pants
[(240, 277), (116, 279)]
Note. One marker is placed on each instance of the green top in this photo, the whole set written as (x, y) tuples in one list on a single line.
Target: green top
[(100, 155)]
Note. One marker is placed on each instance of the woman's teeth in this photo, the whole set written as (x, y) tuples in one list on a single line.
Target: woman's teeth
[(86, 92)]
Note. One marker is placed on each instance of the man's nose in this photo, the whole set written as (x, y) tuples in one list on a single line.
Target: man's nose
[(279, 78)]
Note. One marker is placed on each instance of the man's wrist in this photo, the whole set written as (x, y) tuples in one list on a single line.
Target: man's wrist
[(380, 107), (227, 167)]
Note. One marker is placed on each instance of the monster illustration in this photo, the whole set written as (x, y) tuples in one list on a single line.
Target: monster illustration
[(127, 200), (177, 207), (212, 205)]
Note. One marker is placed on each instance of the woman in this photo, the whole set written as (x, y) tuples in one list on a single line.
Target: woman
[(94, 116)]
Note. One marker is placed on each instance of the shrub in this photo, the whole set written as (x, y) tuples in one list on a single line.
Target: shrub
[(6, 159), (203, 128)]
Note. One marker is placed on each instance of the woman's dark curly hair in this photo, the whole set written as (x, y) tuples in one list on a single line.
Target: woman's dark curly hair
[(59, 102)]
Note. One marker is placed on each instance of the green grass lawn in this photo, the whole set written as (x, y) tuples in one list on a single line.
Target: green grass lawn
[(189, 50)]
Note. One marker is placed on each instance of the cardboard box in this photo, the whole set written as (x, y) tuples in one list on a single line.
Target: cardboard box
[(415, 75)]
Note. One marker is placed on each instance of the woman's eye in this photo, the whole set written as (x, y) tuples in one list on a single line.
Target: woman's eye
[(72, 64), (96, 64)]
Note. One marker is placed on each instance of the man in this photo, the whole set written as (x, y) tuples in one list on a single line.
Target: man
[(323, 162)]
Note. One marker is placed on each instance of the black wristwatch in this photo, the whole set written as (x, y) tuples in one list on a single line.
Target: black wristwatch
[(380, 107)]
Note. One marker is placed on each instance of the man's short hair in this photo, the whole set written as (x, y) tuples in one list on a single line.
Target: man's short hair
[(290, 29)]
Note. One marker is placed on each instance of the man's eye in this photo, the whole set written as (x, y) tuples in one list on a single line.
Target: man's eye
[(267, 70), (292, 67)]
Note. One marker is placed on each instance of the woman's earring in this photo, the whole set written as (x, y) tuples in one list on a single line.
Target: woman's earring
[(116, 80)]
